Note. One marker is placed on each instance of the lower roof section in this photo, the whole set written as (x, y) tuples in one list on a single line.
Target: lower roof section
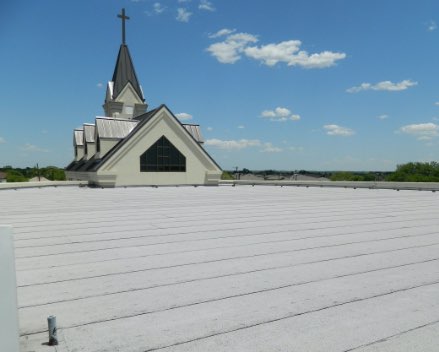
[(227, 268)]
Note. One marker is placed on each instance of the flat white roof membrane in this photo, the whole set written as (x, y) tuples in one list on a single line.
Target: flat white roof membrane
[(226, 268)]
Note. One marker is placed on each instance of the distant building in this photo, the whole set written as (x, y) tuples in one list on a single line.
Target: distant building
[(38, 179), (2, 176), (132, 146)]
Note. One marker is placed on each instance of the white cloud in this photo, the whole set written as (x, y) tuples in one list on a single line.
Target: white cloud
[(206, 5), (233, 144), (33, 148), (296, 149), (241, 126), (183, 116), (269, 148), (384, 85), (209, 129), (336, 130), (431, 26), (183, 15), (436, 103), (279, 115), (289, 52), (158, 8), (99, 85), (182, 1), (230, 50), (383, 117), (222, 32), (229, 145), (319, 60), (236, 45), (2, 140), (422, 131)]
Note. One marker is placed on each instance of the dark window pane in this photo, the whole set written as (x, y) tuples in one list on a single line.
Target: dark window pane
[(162, 156)]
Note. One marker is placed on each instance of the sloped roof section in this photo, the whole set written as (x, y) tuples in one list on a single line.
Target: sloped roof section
[(78, 137), (124, 72), (114, 128), (194, 130), (89, 133)]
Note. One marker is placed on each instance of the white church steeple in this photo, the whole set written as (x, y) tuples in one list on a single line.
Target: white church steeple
[(124, 97)]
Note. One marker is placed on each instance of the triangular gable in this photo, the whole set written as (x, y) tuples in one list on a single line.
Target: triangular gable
[(128, 94), (144, 121)]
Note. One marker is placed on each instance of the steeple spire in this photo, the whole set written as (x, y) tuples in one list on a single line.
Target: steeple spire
[(124, 95), (123, 18), (124, 72)]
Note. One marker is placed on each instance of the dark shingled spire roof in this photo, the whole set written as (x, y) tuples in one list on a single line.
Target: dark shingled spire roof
[(124, 72)]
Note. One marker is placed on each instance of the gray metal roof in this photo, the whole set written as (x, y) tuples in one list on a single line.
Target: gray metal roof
[(89, 132), (78, 137), (194, 130), (124, 72), (114, 128)]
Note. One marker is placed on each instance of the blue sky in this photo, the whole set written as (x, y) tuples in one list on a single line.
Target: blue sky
[(282, 84)]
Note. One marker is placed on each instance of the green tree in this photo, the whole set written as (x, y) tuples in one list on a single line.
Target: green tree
[(226, 175), (53, 173), (416, 172), (15, 176)]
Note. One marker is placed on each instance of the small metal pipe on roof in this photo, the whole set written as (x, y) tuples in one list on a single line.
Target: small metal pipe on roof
[(53, 337)]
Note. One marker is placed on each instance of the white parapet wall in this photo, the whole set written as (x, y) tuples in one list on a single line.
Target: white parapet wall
[(9, 333), (18, 185), (413, 186)]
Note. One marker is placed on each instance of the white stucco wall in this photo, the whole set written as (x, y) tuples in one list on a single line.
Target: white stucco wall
[(80, 152), (126, 164), (130, 99), (106, 144), (91, 150)]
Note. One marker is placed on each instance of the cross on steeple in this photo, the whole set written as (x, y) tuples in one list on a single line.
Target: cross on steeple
[(123, 17)]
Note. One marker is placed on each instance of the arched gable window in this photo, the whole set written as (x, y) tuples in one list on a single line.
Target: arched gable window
[(162, 156)]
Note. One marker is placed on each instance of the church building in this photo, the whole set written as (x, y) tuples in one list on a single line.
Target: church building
[(134, 146)]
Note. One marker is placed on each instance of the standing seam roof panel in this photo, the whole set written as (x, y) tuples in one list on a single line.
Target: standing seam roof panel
[(78, 137), (194, 130), (89, 133), (114, 128)]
